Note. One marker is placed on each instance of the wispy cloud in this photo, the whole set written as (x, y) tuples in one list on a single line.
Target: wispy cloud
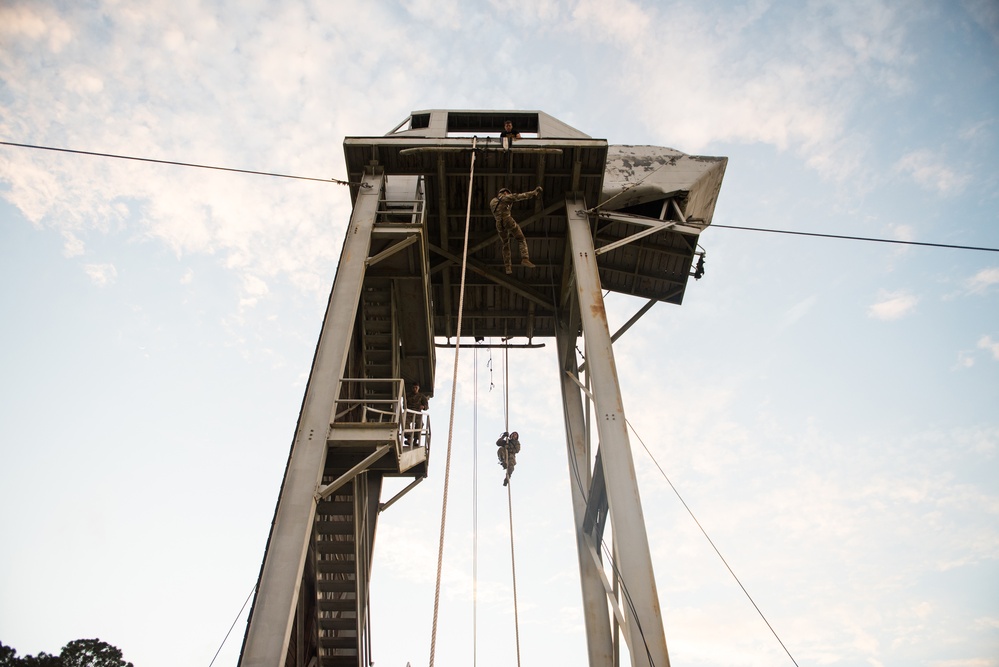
[(929, 170), (798, 92), (969, 662), (986, 14), (983, 280), (990, 345), (102, 275), (965, 359), (892, 305), (798, 311), (125, 87)]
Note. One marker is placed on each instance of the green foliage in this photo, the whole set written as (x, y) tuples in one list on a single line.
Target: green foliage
[(92, 653), (8, 656), (41, 660), (77, 653)]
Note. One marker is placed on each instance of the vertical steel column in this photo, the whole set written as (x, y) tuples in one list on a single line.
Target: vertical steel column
[(641, 599), (598, 629), (273, 612)]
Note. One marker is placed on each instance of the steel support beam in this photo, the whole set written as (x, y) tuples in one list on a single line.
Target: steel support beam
[(687, 227), (273, 613), (648, 640), (598, 629)]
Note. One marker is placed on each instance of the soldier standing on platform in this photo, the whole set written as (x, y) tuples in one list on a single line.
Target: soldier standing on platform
[(508, 135), (507, 226), (416, 403)]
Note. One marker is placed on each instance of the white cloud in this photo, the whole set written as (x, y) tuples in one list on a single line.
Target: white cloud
[(965, 359), (986, 343), (253, 290), (192, 101), (969, 662), (39, 23), (697, 76), (527, 11), (892, 305), (798, 310), (986, 14), (928, 170), (72, 246), (101, 275), (442, 13), (903, 232), (980, 131), (984, 279)]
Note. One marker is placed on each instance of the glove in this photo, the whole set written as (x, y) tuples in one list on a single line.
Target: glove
[(539, 189), (505, 434)]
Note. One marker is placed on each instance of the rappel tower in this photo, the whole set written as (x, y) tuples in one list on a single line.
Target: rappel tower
[(619, 218)]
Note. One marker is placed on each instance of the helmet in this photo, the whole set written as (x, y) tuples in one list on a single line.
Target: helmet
[(502, 190)]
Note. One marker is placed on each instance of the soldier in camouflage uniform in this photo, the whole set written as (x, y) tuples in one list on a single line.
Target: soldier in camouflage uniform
[(507, 226), (508, 446), (416, 403)]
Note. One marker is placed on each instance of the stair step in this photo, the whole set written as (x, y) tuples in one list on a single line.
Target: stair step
[(347, 604), (339, 565), (325, 547), (340, 624), (339, 661), (335, 507), (326, 585), (338, 643)]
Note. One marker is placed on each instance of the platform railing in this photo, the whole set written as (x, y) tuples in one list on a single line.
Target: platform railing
[(401, 211), (382, 401)]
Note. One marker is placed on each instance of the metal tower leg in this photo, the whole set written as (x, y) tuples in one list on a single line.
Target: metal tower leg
[(644, 619), (273, 613), (598, 630)]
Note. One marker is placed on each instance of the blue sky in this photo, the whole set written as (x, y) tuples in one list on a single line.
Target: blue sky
[(827, 408)]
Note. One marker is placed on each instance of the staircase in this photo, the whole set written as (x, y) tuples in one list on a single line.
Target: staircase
[(336, 580), (380, 344)]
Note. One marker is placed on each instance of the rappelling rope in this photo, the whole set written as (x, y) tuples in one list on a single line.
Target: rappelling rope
[(513, 567), (475, 508), (454, 387), (509, 496), (506, 390)]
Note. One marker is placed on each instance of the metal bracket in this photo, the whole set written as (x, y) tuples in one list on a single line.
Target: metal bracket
[(388, 503), (328, 490), (391, 250)]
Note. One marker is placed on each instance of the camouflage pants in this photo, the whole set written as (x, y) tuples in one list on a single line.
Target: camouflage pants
[(507, 459), (507, 227)]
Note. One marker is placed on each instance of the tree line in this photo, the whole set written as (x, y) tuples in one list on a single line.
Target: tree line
[(77, 653)]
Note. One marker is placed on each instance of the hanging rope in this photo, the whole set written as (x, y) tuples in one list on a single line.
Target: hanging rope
[(506, 390), (450, 428), (475, 508), (513, 566), (509, 497)]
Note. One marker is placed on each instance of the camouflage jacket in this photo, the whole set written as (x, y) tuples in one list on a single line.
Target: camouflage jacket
[(417, 401), (511, 444), (501, 204)]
